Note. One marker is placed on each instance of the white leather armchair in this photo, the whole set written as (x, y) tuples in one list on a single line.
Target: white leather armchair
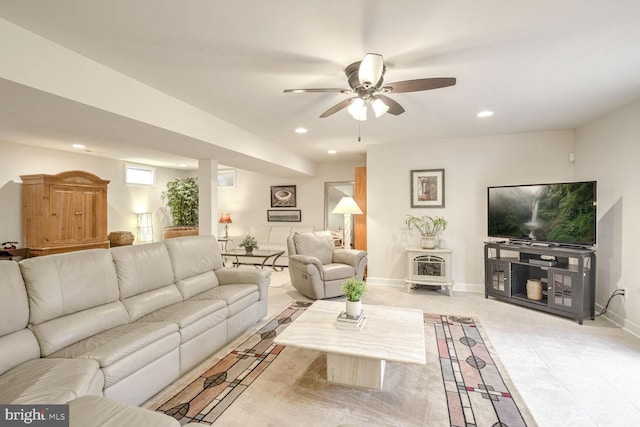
[(317, 269)]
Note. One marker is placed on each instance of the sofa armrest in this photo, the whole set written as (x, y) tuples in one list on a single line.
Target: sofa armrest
[(310, 264), (352, 257), (232, 275), (229, 276)]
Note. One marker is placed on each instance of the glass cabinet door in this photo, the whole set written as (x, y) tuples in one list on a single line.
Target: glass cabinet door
[(499, 277), (562, 291)]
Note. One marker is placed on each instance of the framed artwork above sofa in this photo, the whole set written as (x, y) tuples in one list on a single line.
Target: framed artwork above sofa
[(284, 215), (283, 196)]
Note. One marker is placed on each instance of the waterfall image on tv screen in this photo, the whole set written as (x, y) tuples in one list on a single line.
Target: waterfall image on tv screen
[(563, 213)]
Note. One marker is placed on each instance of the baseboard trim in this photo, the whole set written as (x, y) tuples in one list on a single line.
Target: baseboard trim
[(627, 325), (457, 287)]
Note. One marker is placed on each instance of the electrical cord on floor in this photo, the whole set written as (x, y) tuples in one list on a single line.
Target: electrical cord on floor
[(613, 294)]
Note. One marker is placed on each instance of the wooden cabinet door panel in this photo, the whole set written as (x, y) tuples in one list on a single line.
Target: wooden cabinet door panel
[(62, 224), (90, 221)]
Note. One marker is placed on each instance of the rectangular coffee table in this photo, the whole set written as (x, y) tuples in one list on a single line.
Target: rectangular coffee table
[(356, 357), (260, 254)]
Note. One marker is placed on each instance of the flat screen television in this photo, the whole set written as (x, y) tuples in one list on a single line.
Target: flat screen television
[(562, 213)]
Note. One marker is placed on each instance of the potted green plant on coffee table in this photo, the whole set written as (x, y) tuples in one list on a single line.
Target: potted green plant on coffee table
[(354, 289)]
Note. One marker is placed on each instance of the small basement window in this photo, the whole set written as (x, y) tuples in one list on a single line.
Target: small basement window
[(140, 175), (226, 178)]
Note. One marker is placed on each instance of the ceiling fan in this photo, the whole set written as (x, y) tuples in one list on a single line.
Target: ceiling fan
[(365, 79)]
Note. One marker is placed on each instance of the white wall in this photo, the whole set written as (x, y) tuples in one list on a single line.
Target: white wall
[(247, 202), (122, 200), (607, 149), (250, 199), (471, 164)]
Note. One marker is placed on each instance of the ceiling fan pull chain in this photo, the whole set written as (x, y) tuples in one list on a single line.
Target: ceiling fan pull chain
[(358, 131)]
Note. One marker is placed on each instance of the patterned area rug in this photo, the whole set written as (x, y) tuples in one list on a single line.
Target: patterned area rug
[(260, 383), (476, 391)]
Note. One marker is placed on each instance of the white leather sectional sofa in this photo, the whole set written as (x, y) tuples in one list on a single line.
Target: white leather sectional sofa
[(121, 323)]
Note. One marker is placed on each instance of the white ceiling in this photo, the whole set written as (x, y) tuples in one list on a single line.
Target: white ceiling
[(540, 65)]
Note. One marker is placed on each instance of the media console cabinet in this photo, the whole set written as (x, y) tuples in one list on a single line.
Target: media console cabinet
[(567, 276)]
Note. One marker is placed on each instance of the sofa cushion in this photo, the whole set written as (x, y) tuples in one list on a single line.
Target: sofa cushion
[(301, 229), (236, 296), (192, 317), (142, 268), (337, 271), (278, 236), (122, 350), (67, 330), (63, 284), (14, 306), (194, 285), (318, 244), (105, 412), (18, 344), (193, 255), (148, 302), (51, 381), (261, 233), (16, 348)]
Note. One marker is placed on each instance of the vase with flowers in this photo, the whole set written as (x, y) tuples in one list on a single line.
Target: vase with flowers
[(249, 244)]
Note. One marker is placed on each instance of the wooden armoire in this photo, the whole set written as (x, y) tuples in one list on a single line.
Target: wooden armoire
[(64, 212)]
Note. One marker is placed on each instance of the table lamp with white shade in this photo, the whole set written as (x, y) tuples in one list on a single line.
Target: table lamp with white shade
[(348, 207)]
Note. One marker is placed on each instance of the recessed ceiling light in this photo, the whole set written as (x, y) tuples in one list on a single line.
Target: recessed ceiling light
[(485, 113), (302, 130), (332, 151), (79, 146)]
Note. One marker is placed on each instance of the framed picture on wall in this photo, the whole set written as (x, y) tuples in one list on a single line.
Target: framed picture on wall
[(283, 196), (427, 188), (284, 215)]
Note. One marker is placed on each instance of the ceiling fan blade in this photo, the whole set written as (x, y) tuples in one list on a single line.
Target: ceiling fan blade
[(326, 89), (339, 106), (371, 70), (420, 84), (394, 107)]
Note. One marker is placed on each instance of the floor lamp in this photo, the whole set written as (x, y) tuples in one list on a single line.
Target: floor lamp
[(348, 207)]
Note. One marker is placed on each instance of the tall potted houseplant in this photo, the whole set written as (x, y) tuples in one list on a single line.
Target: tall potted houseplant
[(182, 201), (429, 228), (354, 289)]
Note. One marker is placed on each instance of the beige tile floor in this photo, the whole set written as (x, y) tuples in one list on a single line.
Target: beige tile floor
[(568, 374)]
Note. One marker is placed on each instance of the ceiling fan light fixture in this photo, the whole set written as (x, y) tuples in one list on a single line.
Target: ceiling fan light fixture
[(358, 109), (379, 107), (366, 82), (370, 70)]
